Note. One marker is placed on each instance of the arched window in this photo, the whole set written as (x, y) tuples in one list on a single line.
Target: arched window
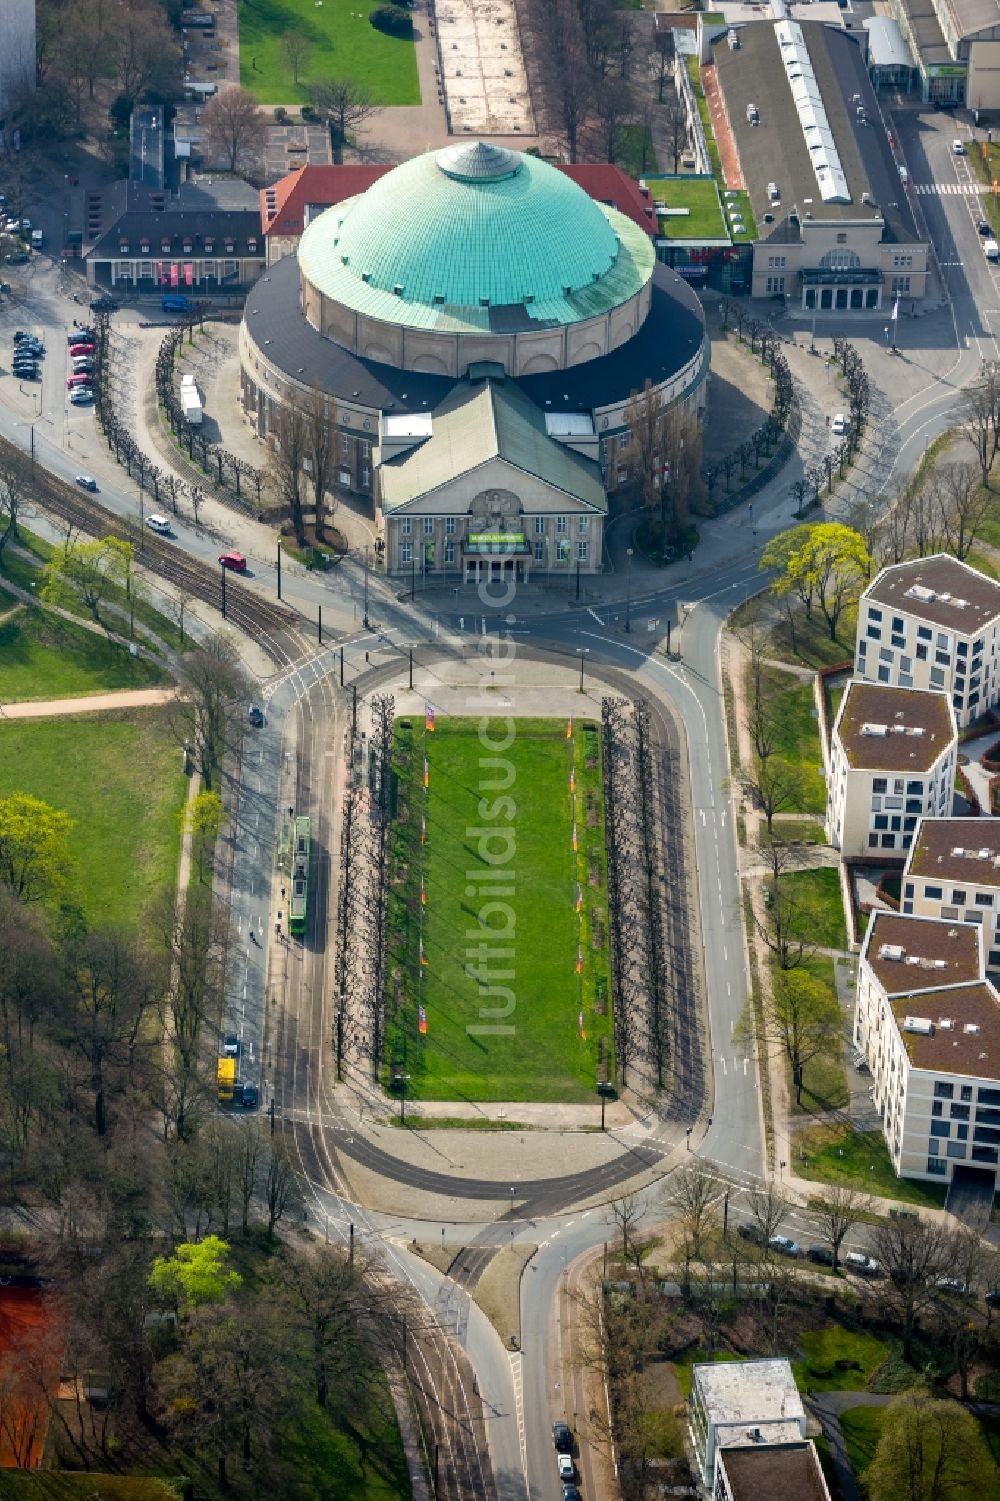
[(840, 260)]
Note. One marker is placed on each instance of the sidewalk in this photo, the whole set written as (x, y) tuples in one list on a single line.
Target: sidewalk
[(129, 698)]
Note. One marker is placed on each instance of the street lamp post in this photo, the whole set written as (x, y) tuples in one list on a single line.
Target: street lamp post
[(582, 652), (365, 616), (628, 588)]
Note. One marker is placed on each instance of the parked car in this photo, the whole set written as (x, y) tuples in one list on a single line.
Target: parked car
[(752, 1233), (985, 228), (158, 524), (950, 1285), (82, 397), (78, 380), (234, 560), (29, 373), (840, 425), (256, 716), (23, 362), (566, 1470), (249, 1098), (80, 336), (957, 147), (571, 1493), (562, 1438), (821, 1255), (83, 366), (82, 346), (231, 1045), (37, 239), (785, 1245), (87, 481), (857, 1261)]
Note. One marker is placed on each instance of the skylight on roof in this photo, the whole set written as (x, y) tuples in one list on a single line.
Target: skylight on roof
[(811, 110)]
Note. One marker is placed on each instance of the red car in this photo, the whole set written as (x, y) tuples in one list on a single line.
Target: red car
[(76, 381), (234, 560), (84, 347)]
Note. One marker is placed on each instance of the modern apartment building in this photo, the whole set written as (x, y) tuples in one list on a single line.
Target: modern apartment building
[(953, 874), (928, 1023), (771, 1471), (892, 762), (742, 1405), (932, 623)]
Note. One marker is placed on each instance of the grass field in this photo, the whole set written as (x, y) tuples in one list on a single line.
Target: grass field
[(838, 1154), (342, 44), (119, 777), (824, 1081), (819, 892), (837, 1359), (797, 736), (44, 656), (542, 1053), (700, 196)]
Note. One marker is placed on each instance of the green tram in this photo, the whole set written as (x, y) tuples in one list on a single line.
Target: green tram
[(298, 909)]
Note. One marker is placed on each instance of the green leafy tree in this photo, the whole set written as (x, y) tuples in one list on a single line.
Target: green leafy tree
[(930, 1450), (195, 1275), (88, 571), (203, 818), (826, 564), (35, 862)]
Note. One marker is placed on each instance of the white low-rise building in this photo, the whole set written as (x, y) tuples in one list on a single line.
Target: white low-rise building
[(933, 623), (928, 1023), (892, 762), (953, 874), (742, 1404)]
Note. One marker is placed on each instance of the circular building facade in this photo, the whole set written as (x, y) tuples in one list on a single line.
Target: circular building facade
[(468, 265)]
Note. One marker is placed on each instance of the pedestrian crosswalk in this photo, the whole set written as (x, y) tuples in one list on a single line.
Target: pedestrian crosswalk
[(967, 189)]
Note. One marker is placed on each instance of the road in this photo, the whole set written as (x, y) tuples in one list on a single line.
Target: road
[(515, 1397)]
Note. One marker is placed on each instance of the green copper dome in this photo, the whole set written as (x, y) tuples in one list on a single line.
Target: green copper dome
[(475, 226)]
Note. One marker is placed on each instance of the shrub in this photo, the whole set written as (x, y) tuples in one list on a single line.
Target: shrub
[(308, 114), (393, 20), (280, 114)]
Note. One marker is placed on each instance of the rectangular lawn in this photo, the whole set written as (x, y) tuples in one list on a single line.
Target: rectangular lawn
[(341, 44), (43, 655), (118, 775), (547, 1054)]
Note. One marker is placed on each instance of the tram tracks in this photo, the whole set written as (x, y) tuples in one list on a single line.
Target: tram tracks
[(439, 1375), (263, 620)]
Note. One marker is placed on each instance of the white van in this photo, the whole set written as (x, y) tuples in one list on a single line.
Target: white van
[(991, 250)]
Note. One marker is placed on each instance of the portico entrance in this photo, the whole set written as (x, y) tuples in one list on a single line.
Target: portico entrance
[(480, 570)]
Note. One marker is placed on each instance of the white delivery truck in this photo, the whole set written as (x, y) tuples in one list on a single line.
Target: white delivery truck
[(191, 402)]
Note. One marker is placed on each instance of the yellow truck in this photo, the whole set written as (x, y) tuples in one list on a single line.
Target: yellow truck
[(225, 1077)]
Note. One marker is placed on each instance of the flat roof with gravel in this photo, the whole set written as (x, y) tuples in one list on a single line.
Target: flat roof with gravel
[(908, 954), (952, 1031), (894, 729), (940, 590), (957, 849)]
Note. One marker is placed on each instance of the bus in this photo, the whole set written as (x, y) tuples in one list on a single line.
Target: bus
[(298, 907)]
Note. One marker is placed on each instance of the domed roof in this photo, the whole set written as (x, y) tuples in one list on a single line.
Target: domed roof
[(473, 225)]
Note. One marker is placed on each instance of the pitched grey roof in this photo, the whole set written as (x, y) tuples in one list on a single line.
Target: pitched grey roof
[(484, 421)]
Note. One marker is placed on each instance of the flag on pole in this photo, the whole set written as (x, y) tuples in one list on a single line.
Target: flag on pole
[(423, 829), (422, 1021), (574, 834), (429, 718), (581, 1028), (579, 959), (895, 310), (423, 956), (423, 893), (569, 728), (579, 897), (572, 779), (427, 773)]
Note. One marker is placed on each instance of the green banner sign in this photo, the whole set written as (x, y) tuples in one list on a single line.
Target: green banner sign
[(496, 539)]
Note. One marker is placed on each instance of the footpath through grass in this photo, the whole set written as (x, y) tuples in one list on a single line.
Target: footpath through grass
[(43, 656), (509, 904), (340, 44), (118, 775)]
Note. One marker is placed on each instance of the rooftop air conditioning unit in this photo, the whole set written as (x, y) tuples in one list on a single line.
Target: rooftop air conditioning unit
[(890, 951), (920, 1024), (875, 729), (946, 1023), (971, 1027)]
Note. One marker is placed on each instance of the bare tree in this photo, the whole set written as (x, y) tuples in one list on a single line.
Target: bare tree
[(572, 83), (768, 1211), (981, 422), (279, 1187), (289, 437), (208, 718), (615, 110), (321, 441), (839, 1210), (694, 1193), (234, 127), (660, 59), (964, 505), (14, 483), (674, 121), (298, 50), (625, 1215), (346, 104), (913, 1253)]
